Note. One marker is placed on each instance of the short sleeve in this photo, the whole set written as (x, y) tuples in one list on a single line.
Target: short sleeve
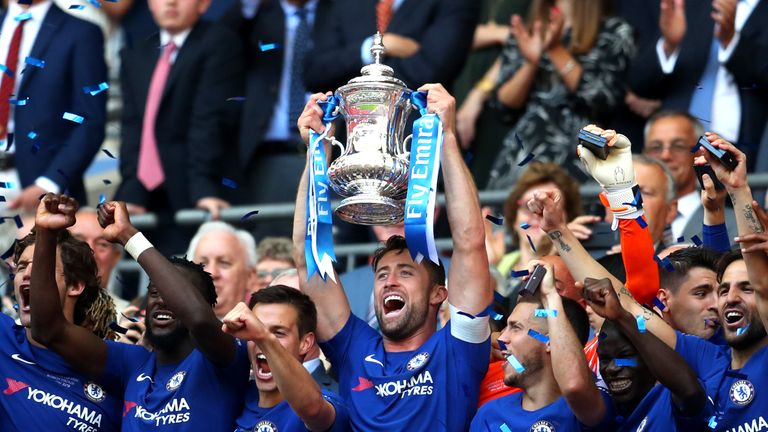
[(341, 423), (338, 347)]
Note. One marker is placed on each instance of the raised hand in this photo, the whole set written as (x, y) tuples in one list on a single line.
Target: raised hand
[(554, 31), (712, 200), (602, 298), (580, 226), (547, 286), (735, 179), (530, 44), (672, 24), (724, 15), (548, 205), (113, 217), (617, 170), (440, 102), (312, 116), (242, 323), (56, 212)]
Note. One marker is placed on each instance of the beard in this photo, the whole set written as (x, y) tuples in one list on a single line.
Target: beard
[(166, 342), (408, 322), (751, 336), (532, 364)]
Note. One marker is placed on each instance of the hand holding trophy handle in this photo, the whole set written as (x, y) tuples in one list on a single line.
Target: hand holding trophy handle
[(330, 109), (418, 100)]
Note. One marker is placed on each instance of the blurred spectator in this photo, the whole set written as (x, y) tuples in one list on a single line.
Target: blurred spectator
[(289, 277), (44, 151), (275, 256), (426, 41), (716, 78), (658, 189), (480, 125), (175, 117), (670, 136), (229, 255), (563, 68), (278, 37)]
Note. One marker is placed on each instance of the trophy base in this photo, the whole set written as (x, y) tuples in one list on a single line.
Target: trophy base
[(369, 209)]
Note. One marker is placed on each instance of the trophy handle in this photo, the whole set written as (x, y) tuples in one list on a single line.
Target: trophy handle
[(337, 143), (402, 149)]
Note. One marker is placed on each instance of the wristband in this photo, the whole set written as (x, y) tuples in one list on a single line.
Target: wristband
[(625, 203), (137, 244)]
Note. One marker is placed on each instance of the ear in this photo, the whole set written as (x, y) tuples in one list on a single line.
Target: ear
[(671, 212), (663, 296), (76, 289), (437, 295), (306, 343)]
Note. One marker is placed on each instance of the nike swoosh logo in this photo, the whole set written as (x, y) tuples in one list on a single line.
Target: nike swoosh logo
[(143, 377), (17, 357), (373, 360)]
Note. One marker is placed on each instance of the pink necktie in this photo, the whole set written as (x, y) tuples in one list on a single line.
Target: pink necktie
[(150, 171)]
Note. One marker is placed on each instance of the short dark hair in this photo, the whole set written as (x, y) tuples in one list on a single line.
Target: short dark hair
[(725, 260), (281, 294), (78, 265), (200, 278), (614, 263), (683, 260), (576, 314), (397, 244)]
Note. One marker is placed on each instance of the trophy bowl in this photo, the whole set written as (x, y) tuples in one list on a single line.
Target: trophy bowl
[(372, 171)]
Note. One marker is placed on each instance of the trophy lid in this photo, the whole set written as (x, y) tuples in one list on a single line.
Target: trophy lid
[(377, 72)]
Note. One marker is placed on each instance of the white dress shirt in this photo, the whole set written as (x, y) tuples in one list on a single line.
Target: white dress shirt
[(686, 207), (178, 39)]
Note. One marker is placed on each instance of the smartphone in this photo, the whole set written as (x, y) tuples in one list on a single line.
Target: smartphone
[(534, 281), (595, 143), (707, 169), (726, 158), (602, 238)]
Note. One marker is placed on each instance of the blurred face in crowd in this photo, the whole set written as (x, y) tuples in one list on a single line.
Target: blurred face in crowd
[(282, 321), (290, 279), (738, 308), (658, 211), (671, 139), (266, 271), (175, 16), (224, 257), (405, 297), (106, 254), (692, 307), (531, 353), (628, 384), (533, 220), (21, 285)]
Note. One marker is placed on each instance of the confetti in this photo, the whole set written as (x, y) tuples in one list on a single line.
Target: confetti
[(95, 89), (114, 326), (666, 263), (515, 363), (502, 345), (229, 183), (35, 62), (625, 362), (131, 319), (32, 135), (9, 142), (9, 252), (7, 185), (5, 69), (659, 304), (108, 153), (76, 7), (18, 102), (681, 239), (23, 17), (519, 141), (497, 220), (19, 223), (641, 324), (267, 47), (73, 117), (740, 331), (102, 199), (530, 241), (504, 428), (641, 221), (712, 422), (35, 147), (248, 215), (236, 99), (545, 313), (524, 225), (519, 273), (538, 336), (95, 3), (696, 240), (527, 159)]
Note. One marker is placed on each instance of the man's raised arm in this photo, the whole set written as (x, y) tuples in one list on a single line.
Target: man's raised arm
[(469, 277), (332, 305)]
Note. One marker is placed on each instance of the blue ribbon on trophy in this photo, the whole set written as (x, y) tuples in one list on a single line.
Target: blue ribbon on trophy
[(426, 146), (318, 243)]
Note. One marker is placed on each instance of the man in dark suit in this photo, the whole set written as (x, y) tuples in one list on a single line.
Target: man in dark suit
[(49, 58), (716, 78), (176, 115), (426, 40)]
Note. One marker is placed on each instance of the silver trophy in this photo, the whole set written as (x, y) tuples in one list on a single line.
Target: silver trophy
[(372, 171)]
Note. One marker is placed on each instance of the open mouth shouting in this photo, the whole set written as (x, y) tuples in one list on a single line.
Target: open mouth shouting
[(393, 304), (24, 298), (262, 372), (734, 319)]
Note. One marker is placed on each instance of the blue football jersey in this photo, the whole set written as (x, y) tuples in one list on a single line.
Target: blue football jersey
[(432, 388), (40, 392), (193, 395), (740, 395), (281, 417), (657, 413), (506, 414)]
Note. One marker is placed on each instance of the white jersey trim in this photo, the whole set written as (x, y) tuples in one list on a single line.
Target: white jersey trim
[(470, 330)]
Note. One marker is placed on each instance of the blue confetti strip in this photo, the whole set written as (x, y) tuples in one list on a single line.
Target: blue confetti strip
[(76, 7), (625, 362), (659, 304), (9, 142), (527, 159), (515, 363), (267, 47), (7, 185), (681, 239), (524, 225), (666, 263), (641, 324), (538, 336), (5, 69), (35, 62), (248, 215), (102, 199), (740, 331), (696, 240), (19, 223), (108, 153), (32, 135), (545, 313), (641, 221), (696, 148), (35, 147), (95, 89), (504, 428), (229, 183), (73, 117), (107, 182), (236, 99), (530, 241), (15, 306), (502, 345), (495, 219), (497, 297), (95, 3), (734, 374), (712, 422), (23, 17), (519, 273), (519, 141), (18, 102)]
